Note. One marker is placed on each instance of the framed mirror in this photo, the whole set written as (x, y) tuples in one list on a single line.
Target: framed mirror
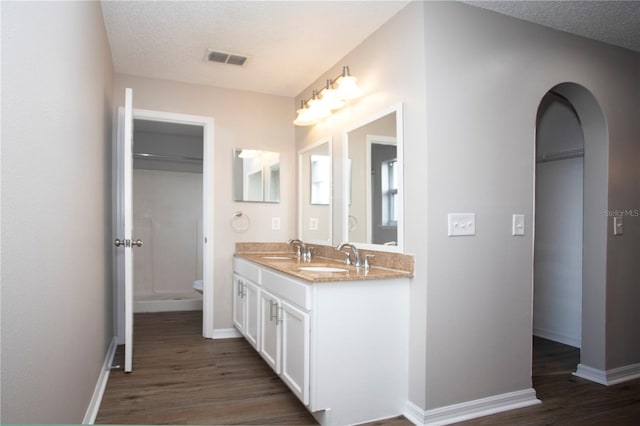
[(315, 198), (256, 175), (373, 216)]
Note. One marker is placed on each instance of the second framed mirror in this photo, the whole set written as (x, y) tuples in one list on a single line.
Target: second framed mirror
[(315, 195), (373, 182)]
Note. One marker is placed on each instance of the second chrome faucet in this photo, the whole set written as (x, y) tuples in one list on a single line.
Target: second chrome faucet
[(358, 262), (303, 251)]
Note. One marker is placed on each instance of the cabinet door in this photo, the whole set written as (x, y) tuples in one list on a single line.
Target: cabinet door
[(295, 350), (238, 303), (270, 334), (251, 306)]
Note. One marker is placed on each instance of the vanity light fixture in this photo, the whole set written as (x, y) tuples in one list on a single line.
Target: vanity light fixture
[(249, 153), (328, 99)]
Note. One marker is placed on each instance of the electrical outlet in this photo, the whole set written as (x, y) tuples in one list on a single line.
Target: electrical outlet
[(462, 224), (275, 223), (313, 224)]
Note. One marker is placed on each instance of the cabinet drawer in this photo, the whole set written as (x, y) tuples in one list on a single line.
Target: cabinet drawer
[(248, 270), (293, 291)]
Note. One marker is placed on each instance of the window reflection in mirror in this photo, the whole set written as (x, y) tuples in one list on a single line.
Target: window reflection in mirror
[(256, 175), (373, 191), (315, 193), (320, 179)]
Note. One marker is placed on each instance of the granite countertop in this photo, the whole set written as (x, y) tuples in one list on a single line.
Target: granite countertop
[(288, 263)]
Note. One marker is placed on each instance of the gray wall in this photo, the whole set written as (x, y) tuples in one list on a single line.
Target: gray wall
[(493, 75), (56, 251)]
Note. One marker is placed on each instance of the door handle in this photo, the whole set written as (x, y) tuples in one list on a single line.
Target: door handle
[(127, 243)]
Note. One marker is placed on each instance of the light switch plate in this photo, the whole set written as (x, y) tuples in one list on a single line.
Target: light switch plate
[(275, 223), (517, 224), (618, 225), (462, 224)]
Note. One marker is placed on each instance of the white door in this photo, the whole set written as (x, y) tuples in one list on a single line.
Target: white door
[(124, 241), (269, 330), (251, 313), (238, 303), (295, 350)]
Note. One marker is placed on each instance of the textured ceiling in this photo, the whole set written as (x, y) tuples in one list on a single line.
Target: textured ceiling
[(613, 22), (290, 43)]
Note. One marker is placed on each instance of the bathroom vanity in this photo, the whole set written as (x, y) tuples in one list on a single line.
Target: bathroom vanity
[(335, 334)]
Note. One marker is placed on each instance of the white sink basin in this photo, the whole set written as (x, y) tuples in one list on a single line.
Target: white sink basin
[(322, 269), (277, 257)]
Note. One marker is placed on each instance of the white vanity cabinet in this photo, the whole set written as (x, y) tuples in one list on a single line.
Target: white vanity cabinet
[(285, 325), (245, 308), (341, 347), (246, 301), (295, 350), (270, 334)]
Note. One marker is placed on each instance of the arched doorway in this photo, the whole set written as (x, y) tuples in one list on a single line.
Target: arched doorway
[(587, 270), (557, 307)]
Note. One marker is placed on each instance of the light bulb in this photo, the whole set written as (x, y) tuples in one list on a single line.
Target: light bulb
[(305, 118), (330, 97), (348, 86), (318, 108)]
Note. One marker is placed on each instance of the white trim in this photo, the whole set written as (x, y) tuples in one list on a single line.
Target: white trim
[(226, 333), (173, 305), (556, 337), (414, 414), (98, 391), (609, 377), (471, 409), (208, 214)]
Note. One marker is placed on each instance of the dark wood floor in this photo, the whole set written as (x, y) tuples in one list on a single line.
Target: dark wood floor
[(567, 399), (180, 378)]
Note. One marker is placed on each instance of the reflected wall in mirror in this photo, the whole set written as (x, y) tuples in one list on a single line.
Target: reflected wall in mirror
[(315, 193), (256, 175), (373, 184)]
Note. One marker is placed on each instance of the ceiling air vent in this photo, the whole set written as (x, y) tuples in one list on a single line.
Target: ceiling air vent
[(225, 58)]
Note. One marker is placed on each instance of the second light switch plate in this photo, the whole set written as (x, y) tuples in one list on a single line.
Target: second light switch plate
[(517, 224)]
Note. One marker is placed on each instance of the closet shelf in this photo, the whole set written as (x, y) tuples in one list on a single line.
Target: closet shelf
[(175, 158)]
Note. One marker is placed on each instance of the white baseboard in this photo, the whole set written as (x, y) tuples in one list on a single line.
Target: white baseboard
[(609, 377), (98, 391), (174, 305), (226, 333), (471, 409), (557, 337)]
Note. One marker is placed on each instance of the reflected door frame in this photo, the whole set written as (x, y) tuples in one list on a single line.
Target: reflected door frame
[(370, 141)]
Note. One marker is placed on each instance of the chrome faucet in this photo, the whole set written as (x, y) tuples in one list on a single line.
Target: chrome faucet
[(302, 249), (353, 248)]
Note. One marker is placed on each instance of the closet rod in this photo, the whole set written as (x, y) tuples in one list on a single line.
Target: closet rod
[(575, 153), (178, 158)]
